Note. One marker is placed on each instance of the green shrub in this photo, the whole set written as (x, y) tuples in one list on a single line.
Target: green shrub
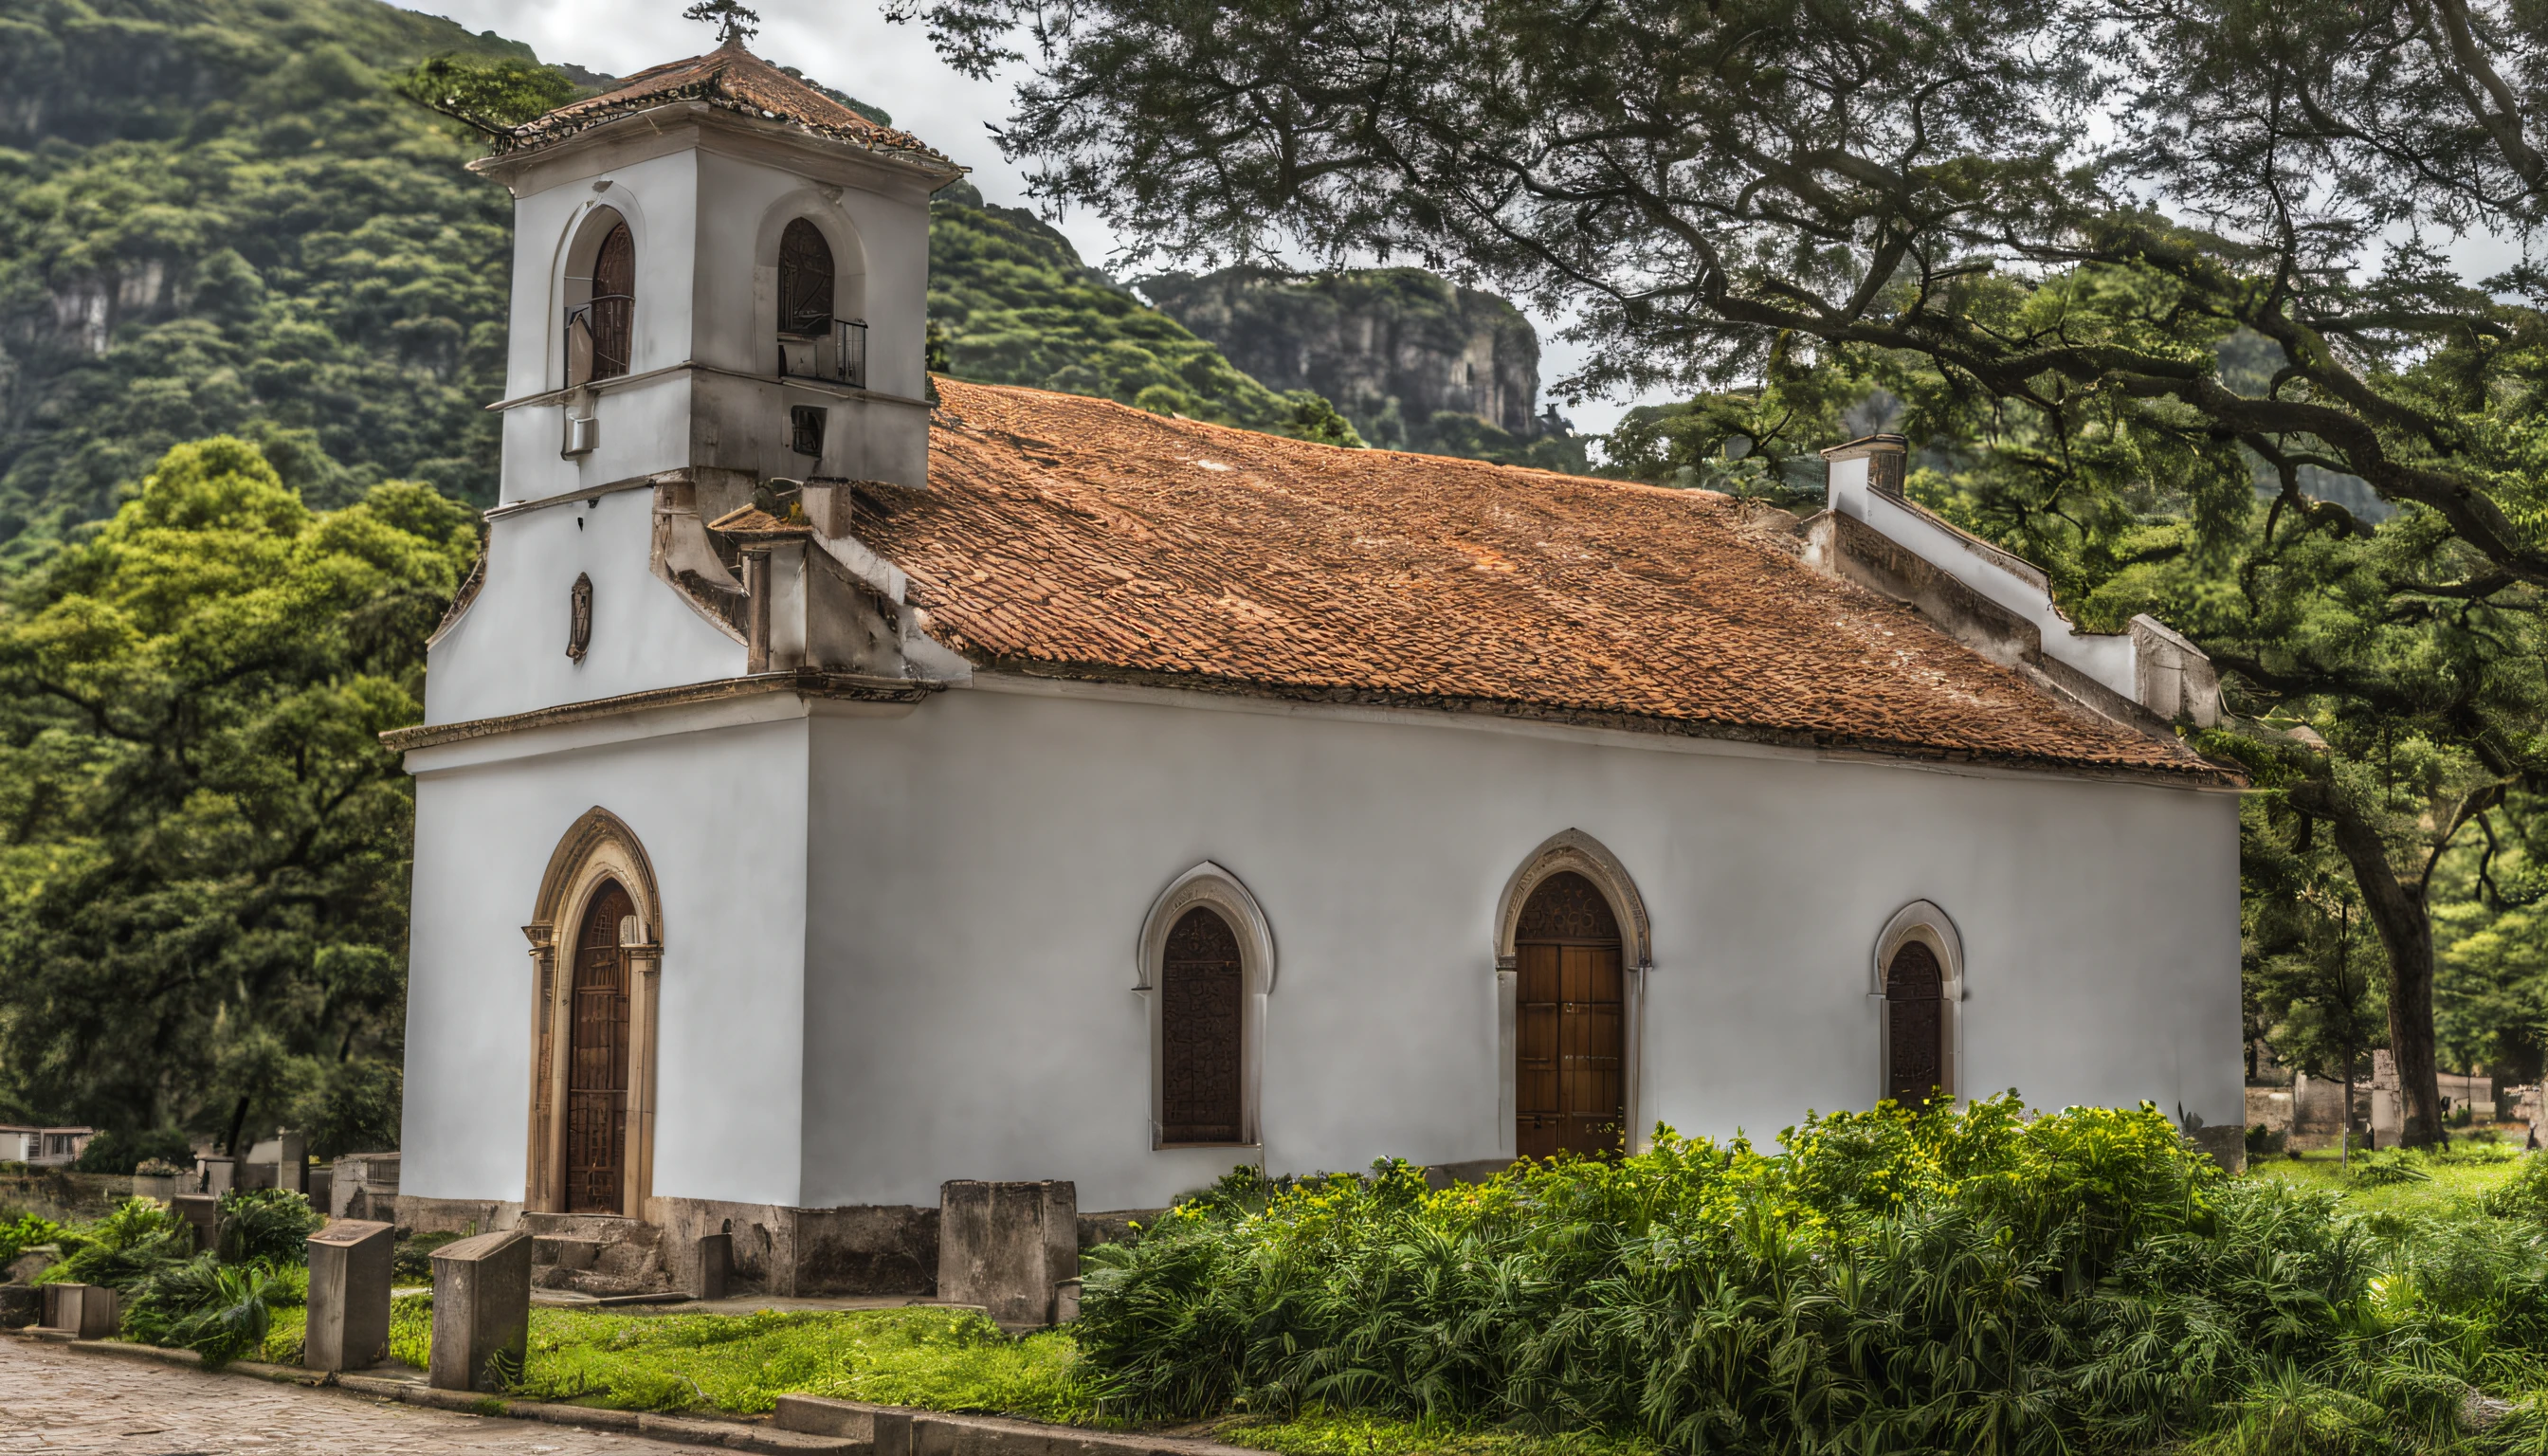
[(121, 1248), (266, 1224), (116, 1153), (23, 1232), (200, 1304), (2524, 1194), (1891, 1281)]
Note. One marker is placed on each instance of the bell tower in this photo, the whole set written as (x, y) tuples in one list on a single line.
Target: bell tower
[(719, 271)]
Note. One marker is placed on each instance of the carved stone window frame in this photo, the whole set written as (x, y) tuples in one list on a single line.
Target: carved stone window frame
[(1572, 850), (598, 848), (1209, 885), (1926, 922)]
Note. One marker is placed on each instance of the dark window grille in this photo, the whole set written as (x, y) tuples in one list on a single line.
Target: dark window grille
[(805, 430), (599, 333), (834, 350), (804, 280), (1200, 990), (596, 1088), (1915, 1026)]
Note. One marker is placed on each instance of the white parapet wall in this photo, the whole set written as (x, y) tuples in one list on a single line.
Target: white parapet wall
[(2150, 664)]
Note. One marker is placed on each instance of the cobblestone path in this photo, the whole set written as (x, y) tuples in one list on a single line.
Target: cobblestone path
[(52, 1399)]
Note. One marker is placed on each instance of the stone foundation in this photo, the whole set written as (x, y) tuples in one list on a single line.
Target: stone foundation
[(792, 1253)]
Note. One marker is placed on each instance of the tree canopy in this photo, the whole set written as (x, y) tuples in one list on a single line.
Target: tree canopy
[(2057, 228), (203, 844)]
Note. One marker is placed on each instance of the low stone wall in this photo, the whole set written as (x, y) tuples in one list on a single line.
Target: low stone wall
[(456, 1215), (60, 1195)]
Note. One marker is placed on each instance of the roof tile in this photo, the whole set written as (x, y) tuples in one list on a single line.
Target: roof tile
[(1305, 570)]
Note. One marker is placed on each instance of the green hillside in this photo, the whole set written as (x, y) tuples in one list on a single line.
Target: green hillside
[(217, 216)]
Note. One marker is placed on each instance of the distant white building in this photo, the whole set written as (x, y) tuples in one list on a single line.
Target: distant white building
[(898, 782), (43, 1147)]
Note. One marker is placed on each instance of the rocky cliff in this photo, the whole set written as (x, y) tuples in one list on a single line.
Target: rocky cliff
[(1414, 360)]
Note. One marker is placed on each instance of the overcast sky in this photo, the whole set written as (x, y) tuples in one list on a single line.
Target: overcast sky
[(848, 46)]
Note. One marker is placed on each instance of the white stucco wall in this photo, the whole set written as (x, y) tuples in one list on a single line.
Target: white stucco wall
[(722, 816), (506, 654), (922, 968), (981, 868)]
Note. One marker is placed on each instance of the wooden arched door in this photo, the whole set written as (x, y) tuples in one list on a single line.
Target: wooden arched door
[(1570, 1091), (597, 1085), (1915, 1026), (1201, 1026)]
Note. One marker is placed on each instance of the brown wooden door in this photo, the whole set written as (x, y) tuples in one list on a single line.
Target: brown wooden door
[(1569, 1089), (596, 1079), (1915, 1026), (1200, 1027)]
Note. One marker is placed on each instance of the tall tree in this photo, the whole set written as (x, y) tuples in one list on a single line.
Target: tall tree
[(1711, 186), (203, 844)]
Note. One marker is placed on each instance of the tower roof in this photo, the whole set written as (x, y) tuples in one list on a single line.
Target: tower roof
[(733, 79)]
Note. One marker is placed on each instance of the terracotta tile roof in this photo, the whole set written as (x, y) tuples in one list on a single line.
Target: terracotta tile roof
[(736, 80), (1077, 537)]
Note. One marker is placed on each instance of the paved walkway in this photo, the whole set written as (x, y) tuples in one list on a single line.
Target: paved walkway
[(52, 1399)]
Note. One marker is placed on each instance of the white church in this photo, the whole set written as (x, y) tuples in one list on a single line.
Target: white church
[(837, 781)]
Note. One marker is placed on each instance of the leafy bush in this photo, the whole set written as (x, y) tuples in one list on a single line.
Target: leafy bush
[(2524, 1194), (121, 1248), (2388, 1170), (200, 1304), (117, 1153), (266, 1224), (23, 1232), (1887, 1280)]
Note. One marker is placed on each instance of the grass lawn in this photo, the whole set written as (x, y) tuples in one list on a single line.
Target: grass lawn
[(2466, 1174)]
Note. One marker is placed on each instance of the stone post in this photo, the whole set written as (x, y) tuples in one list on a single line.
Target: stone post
[(219, 1174), (716, 1265), (291, 1160), (349, 1295), (203, 1212), (482, 1308), (1007, 1247), (87, 1311)]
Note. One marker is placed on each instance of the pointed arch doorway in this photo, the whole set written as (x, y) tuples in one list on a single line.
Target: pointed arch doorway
[(597, 951)]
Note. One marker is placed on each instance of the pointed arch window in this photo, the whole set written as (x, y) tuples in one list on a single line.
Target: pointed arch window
[(1206, 962)]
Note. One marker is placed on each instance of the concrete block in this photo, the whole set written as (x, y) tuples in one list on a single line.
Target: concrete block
[(85, 1311), (20, 1305), (565, 1250), (891, 1433), (481, 1309), (349, 1295), (818, 1415), (1007, 1246), (715, 1265), (202, 1212), (219, 1174)]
